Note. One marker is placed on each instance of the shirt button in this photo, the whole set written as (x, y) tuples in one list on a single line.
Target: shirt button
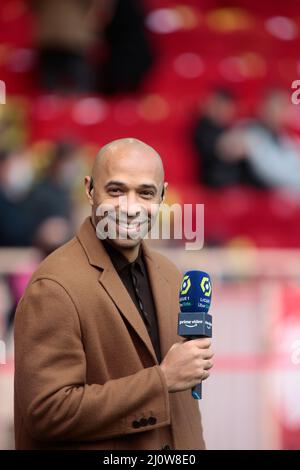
[(152, 420), (143, 422), (166, 447), (135, 424)]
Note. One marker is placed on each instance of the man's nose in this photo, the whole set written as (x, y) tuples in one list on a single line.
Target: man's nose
[(130, 205)]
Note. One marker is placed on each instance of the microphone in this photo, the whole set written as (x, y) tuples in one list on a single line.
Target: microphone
[(193, 319)]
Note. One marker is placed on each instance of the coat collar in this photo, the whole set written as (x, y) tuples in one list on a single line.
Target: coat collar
[(111, 282)]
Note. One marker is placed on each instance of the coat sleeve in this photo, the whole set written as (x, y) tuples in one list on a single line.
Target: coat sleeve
[(51, 391)]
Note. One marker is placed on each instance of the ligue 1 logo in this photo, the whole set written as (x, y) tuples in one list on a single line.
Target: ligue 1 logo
[(205, 285), (185, 285)]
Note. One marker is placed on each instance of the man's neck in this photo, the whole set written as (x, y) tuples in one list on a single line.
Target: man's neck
[(130, 254)]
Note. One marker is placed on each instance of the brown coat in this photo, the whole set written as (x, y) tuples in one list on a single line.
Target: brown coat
[(85, 370)]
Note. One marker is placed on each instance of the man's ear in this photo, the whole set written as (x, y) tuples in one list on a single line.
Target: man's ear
[(89, 185), (163, 193)]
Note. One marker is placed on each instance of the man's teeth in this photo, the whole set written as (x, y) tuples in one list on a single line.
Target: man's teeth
[(128, 225)]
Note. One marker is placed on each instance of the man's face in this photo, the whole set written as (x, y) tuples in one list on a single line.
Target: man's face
[(126, 195)]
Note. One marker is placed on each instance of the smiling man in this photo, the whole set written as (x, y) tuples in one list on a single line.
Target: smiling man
[(98, 363)]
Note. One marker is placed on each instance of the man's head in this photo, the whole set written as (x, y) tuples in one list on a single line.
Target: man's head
[(274, 108), (125, 190), (221, 106)]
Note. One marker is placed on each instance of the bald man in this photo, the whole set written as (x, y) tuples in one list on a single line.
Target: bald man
[(98, 363)]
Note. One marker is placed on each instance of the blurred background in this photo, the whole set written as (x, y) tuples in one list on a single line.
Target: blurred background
[(208, 84)]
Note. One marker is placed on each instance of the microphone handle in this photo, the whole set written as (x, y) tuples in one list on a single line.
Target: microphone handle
[(197, 391), (203, 330)]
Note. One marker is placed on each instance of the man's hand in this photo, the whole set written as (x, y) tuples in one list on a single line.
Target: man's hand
[(232, 146), (187, 363)]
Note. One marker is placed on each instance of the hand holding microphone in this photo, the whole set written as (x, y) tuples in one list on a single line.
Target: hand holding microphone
[(187, 363)]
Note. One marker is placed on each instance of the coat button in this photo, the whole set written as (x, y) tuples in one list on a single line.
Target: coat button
[(143, 422), (152, 420), (135, 424)]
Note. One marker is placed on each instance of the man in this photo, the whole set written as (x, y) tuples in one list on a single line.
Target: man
[(210, 135), (65, 33), (94, 321), (264, 145), (215, 118), (272, 153)]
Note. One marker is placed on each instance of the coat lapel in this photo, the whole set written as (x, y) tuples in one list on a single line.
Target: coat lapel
[(113, 285), (111, 282), (161, 291)]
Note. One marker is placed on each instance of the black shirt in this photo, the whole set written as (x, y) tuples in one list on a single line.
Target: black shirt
[(136, 280)]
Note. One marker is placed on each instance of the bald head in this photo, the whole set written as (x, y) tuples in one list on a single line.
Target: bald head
[(124, 149), (128, 178)]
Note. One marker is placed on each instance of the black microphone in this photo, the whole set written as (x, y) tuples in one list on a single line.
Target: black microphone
[(193, 319)]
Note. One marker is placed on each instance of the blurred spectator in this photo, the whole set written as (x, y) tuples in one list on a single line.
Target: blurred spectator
[(52, 196), (129, 53), (66, 30), (264, 144), (39, 216), (13, 124), (215, 120), (15, 182)]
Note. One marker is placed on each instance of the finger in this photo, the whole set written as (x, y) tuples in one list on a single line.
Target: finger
[(205, 375), (207, 365), (202, 343), (208, 354)]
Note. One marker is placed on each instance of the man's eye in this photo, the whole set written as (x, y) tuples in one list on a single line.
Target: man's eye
[(147, 194), (115, 191)]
